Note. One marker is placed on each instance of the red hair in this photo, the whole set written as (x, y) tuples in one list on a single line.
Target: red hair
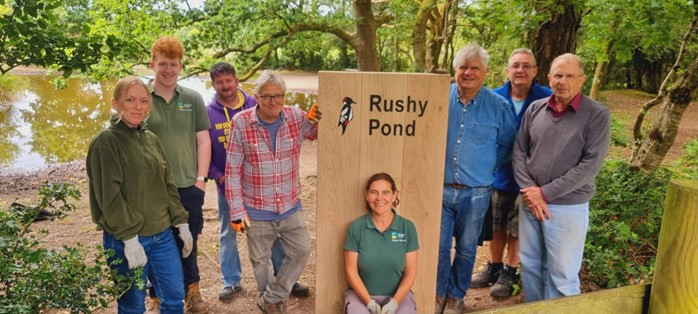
[(168, 47)]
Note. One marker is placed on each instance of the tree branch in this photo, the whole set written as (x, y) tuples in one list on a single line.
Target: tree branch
[(295, 29), (637, 127)]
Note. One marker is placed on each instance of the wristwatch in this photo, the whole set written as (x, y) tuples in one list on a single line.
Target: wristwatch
[(202, 179)]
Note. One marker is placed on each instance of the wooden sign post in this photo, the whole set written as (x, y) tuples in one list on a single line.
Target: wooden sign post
[(394, 123), (676, 273)]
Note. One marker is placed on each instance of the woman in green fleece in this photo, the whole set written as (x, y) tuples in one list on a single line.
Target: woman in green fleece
[(133, 198)]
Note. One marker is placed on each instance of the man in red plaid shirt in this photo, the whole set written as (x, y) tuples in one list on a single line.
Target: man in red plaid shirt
[(263, 186)]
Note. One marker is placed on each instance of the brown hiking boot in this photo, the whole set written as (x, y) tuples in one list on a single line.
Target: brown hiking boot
[(270, 308), (454, 306), (439, 305), (193, 303), (152, 306)]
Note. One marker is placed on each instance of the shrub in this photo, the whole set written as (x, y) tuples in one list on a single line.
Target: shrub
[(625, 218), (34, 279), (619, 133), (687, 165)]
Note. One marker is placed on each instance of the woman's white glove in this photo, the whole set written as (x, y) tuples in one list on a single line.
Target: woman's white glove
[(373, 307), (390, 307), (185, 235), (135, 254)]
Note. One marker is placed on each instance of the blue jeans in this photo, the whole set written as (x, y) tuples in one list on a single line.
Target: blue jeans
[(164, 268), (462, 215), (551, 252), (229, 255), (277, 256)]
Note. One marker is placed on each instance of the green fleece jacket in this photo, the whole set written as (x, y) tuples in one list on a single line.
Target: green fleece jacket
[(132, 190)]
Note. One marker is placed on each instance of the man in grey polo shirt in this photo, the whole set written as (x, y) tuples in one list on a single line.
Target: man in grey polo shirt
[(560, 148)]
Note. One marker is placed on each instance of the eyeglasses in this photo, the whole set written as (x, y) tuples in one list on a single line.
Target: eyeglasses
[(276, 98), (524, 66), (559, 77)]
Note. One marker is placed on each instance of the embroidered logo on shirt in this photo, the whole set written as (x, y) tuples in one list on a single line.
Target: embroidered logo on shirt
[(397, 237), (184, 107)]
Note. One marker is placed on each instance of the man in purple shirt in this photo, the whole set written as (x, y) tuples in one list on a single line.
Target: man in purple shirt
[(560, 148)]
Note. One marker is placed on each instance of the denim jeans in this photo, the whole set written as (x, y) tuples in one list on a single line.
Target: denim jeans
[(462, 215), (163, 267), (551, 252), (277, 256), (293, 235), (229, 254)]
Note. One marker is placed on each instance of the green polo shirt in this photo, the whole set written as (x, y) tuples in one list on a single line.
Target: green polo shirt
[(176, 124), (381, 254)]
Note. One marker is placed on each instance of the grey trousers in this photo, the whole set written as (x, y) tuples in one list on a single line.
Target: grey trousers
[(353, 305), (295, 242)]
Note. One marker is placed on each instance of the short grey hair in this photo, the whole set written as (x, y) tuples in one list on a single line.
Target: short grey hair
[(525, 51), (471, 51), (269, 77), (568, 57)]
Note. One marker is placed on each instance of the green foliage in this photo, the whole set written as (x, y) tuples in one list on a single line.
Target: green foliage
[(687, 166), (35, 279), (619, 133), (32, 33), (625, 217)]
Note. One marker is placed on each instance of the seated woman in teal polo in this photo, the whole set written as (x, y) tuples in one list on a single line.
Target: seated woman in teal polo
[(380, 254)]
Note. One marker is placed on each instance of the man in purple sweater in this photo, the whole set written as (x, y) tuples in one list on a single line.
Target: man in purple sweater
[(560, 148), (228, 101)]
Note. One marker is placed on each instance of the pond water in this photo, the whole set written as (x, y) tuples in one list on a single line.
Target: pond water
[(44, 126)]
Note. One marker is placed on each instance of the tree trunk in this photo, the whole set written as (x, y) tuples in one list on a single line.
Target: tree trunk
[(648, 152), (556, 36), (599, 77), (366, 52), (449, 30), (651, 151), (419, 35)]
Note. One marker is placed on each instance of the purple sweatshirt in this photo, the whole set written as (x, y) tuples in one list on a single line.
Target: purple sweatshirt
[(220, 127)]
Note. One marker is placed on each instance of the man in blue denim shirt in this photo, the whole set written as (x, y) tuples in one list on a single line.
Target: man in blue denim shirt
[(481, 132)]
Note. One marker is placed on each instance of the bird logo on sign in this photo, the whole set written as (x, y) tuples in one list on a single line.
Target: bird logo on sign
[(346, 115)]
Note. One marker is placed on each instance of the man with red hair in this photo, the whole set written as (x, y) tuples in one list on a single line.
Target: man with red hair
[(179, 119)]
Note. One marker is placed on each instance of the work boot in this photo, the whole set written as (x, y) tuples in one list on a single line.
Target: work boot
[(270, 308), (229, 292), (486, 276), (193, 303), (152, 306), (454, 306), (440, 305), (505, 284), (299, 290)]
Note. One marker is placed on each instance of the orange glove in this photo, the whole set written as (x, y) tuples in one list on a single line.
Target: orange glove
[(313, 114), (241, 225)]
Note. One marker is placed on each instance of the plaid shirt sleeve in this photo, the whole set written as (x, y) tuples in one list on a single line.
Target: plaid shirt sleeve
[(233, 170)]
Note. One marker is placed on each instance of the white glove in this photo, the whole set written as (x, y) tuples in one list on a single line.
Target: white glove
[(135, 254), (185, 235), (390, 307), (373, 307)]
